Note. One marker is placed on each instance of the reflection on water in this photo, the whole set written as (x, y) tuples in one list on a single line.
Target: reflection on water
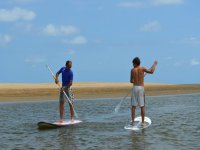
[(138, 140), (175, 125), (66, 139)]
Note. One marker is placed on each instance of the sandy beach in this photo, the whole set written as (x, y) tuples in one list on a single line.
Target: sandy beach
[(10, 92)]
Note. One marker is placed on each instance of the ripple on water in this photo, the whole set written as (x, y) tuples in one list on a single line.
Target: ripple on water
[(175, 125)]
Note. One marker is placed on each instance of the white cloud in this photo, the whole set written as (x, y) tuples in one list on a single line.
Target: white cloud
[(23, 1), (28, 27), (4, 39), (69, 52), (24, 26), (151, 26), (192, 40), (16, 14), (178, 64), (169, 58), (35, 60), (53, 30), (148, 3), (79, 40), (130, 4), (167, 2), (194, 62), (20, 1)]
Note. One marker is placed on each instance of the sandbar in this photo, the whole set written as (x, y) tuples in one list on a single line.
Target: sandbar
[(12, 92)]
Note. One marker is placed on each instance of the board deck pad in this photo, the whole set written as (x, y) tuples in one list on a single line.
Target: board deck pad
[(138, 124), (57, 124)]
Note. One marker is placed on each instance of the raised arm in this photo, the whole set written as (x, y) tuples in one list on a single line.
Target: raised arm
[(152, 69)]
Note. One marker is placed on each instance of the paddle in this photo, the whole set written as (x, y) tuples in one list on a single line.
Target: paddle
[(120, 103), (62, 90)]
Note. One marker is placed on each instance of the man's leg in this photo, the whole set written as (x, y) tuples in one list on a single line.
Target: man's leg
[(142, 104), (71, 106), (133, 114), (61, 111), (143, 114), (71, 111)]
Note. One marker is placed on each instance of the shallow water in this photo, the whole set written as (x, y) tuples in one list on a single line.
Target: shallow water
[(175, 125)]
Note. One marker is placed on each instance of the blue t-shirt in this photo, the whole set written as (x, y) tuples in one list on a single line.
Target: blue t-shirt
[(67, 75)]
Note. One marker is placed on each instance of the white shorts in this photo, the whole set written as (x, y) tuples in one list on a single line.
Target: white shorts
[(137, 97)]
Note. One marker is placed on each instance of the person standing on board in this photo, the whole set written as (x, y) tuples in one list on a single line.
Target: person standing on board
[(138, 95), (67, 80)]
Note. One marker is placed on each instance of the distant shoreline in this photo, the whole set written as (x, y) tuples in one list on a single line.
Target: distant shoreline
[(13, 92)]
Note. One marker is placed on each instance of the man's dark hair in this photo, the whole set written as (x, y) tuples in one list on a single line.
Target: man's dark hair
[(136, 61), (67, 62)]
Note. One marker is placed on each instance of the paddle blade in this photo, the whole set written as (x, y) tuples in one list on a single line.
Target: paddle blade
[(118, 107)]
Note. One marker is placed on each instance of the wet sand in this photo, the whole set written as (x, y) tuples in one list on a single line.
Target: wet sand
[(10, 92)]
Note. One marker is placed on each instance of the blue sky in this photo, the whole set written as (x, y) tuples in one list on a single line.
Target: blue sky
[(101, 37)]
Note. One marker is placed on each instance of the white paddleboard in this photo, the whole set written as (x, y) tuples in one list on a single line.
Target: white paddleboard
[(138, 124), (57, 124)]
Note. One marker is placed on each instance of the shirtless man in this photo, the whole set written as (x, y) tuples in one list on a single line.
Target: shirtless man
[(138, 95)]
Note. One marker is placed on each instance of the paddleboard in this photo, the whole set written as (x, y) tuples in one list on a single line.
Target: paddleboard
[(57, 124), (138, 124)]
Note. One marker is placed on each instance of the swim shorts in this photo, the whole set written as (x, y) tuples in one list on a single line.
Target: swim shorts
[(138, 97), (69, 94)]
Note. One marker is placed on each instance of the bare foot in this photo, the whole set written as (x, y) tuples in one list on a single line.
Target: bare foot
[(132, 123), (143, 124), (60, 121), (72, 119)]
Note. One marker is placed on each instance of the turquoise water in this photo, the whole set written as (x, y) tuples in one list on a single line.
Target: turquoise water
[(175, 125)]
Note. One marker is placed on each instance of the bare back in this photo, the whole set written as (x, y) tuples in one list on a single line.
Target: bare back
[(137, 76)]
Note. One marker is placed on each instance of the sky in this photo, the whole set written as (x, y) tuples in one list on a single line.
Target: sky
[(101, 38)]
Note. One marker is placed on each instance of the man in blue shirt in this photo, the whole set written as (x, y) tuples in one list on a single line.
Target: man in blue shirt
[(67, 80)]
